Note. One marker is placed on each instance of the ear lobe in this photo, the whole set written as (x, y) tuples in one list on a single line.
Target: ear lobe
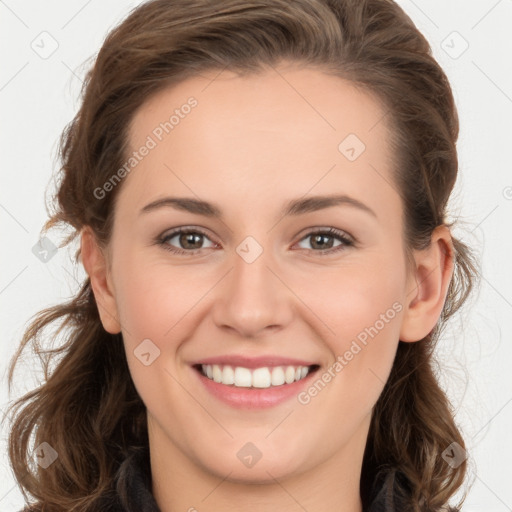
[(96, 266), (425, 300)]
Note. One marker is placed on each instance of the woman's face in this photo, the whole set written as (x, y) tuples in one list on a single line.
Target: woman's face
[(294, 257)]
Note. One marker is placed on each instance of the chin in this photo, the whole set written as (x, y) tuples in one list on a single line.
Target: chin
[(259, 462)]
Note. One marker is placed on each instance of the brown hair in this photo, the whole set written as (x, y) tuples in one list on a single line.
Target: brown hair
[(87, 408)]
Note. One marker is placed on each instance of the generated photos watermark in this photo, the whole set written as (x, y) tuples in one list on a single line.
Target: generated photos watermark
[(342, 360), (151, 142)]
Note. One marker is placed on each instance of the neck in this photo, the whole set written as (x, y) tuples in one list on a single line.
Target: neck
[(181, 484)]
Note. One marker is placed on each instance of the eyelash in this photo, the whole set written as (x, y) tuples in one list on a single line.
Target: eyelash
[(332, 232)]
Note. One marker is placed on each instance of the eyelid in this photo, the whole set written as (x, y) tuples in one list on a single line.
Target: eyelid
[(183, 229), (164, 237), (329, 230), (346, 239)]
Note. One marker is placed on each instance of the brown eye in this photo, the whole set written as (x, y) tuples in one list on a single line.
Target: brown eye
[(322, 241), (325, 240), (190, 240), (185, 241)]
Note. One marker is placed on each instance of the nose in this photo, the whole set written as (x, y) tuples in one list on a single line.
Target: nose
[(252, 299)]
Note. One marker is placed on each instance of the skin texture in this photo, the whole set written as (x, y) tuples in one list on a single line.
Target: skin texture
[(250, 145)]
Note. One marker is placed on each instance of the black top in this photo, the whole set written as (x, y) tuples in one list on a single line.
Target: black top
[(133, 492)]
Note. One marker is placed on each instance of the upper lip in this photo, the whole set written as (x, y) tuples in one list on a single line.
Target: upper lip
[(254, 362)]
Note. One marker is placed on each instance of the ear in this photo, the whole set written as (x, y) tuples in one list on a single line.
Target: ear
[(428, 286), (96, 265)]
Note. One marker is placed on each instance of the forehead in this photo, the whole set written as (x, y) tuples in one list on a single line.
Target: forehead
[(286, 129), (269, 101)]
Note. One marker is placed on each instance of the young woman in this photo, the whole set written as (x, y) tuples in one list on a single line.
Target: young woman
[(259, 190)]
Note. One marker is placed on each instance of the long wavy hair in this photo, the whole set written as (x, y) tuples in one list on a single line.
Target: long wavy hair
[(87, 408)]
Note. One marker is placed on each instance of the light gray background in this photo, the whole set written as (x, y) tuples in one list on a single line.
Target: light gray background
[(38, 96)]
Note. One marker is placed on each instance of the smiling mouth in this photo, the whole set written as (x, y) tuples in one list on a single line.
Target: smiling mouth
[(257, 378)]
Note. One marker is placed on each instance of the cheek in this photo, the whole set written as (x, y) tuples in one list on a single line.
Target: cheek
[(153, 299), (155, 303), (341, 397), (355, 297), (363, 309)]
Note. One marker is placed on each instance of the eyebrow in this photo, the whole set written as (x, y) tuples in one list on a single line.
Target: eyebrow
[(293, 207)]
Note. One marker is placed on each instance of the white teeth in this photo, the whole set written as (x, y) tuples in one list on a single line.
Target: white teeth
[(278, 376), (217, 373), (263, 377), (228, 375), (289, 374), (243, 377)]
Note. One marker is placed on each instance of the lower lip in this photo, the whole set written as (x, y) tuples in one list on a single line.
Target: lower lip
[(253, 398)]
